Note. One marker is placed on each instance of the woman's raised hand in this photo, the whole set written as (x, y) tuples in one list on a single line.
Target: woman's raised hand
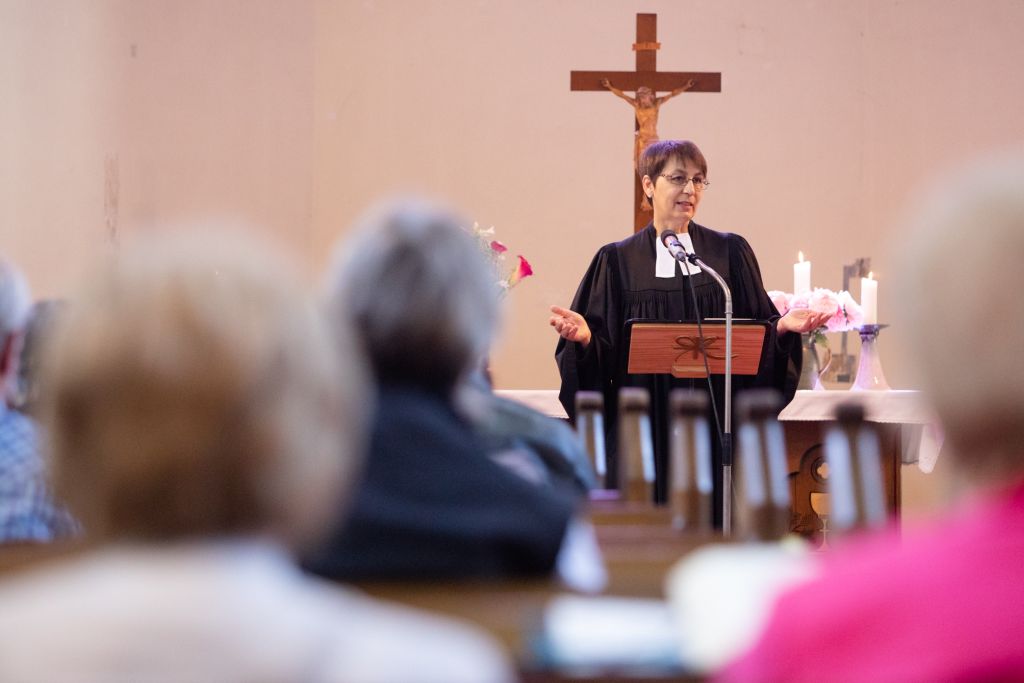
[(570, 325)]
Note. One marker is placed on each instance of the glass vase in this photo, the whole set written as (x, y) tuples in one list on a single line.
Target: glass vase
[(812, 367), (869, 372)]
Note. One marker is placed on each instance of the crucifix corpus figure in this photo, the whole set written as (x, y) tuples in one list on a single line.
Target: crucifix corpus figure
[(646, 81), (646, 105)]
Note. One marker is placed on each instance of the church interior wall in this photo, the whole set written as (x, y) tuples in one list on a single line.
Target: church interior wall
[(292, 116)]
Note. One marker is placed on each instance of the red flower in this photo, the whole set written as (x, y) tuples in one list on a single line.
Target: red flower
[(524, 270), (498, 247)]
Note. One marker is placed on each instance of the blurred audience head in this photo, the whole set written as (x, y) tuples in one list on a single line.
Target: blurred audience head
[(193, 390), (15, 302), (421, 296), (958, 280)]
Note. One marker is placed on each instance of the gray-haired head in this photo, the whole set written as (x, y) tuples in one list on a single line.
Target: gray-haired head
[(15, 303), (15, 300), (418, 291), (959, 279)]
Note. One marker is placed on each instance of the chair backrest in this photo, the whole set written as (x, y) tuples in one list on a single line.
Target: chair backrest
[(855, 482), (763, 499), (590, 428), (691, 479), (636, 449)]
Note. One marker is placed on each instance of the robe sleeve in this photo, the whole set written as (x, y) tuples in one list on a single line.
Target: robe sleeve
[(599, 300), (780, 364)]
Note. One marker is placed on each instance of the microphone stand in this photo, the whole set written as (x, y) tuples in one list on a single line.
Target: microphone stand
[(727, 425)]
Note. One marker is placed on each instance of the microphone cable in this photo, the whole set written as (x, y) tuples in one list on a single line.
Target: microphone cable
[(700, 333)]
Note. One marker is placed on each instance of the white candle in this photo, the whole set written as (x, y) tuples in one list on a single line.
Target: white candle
[(869, 299), (801, 275)]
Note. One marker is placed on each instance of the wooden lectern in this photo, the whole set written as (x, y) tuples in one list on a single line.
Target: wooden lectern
[(679, 349), (689, 350)]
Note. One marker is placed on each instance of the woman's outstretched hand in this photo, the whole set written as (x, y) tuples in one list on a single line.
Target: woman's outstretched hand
[(570, 325), (801, 320)]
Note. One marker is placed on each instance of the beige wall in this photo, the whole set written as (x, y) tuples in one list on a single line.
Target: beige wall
[(294, 114), (120, 115)]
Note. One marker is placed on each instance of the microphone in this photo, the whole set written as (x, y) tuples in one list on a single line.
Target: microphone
[(678, 251), (674, 246)]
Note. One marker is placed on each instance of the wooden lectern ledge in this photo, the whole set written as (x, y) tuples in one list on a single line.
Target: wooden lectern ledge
[(921, 435), (678, 349)]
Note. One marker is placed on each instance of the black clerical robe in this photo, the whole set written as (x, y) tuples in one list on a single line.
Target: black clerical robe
[(621, 285)]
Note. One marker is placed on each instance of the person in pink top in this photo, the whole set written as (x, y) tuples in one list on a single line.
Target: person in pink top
[(945, 602)]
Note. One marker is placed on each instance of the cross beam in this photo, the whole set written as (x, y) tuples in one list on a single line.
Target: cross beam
[(646, 74)]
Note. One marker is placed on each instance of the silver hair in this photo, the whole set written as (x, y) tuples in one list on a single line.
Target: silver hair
[(959, 281), (15, 299), (419, 292)]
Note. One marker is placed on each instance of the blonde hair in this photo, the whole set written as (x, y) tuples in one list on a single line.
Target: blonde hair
[(959, 277), (194, 390)]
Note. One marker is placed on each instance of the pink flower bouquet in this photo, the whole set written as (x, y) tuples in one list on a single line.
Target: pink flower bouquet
[(846, 313)]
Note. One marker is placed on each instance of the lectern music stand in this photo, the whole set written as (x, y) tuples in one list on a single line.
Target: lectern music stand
[(666, 348), (681, 350)]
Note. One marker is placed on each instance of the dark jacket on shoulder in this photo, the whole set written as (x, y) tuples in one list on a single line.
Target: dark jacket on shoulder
[(432, 504)]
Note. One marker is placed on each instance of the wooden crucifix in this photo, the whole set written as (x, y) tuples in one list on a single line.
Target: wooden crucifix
[(646, 82)]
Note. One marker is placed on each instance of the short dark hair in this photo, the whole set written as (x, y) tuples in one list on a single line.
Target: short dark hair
[(657, 155)]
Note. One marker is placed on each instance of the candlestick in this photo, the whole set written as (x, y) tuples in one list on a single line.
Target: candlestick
[(801, 276), (869, 299), (869, 372)]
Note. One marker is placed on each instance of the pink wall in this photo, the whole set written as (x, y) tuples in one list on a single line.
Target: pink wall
[(294, 114)]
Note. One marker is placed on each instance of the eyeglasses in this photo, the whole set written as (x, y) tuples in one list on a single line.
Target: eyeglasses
[(699, 183)]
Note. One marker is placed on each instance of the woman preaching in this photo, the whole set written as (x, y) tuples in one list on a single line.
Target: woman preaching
[(638, 278)]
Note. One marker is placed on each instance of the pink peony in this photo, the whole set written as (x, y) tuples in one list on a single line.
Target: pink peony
[(849, 317), (799, 300), (845, 313), (824, 301), (781, 301)]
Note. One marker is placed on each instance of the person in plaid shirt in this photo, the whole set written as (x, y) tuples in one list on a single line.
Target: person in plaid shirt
[(27, 511)]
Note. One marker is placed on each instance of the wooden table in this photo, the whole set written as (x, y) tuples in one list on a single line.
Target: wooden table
[(902, 422)]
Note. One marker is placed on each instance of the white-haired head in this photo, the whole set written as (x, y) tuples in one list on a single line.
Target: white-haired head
[(15, 303), (15, 299)]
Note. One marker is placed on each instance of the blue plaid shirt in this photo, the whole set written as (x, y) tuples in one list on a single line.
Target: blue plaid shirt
[(27, 512)]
